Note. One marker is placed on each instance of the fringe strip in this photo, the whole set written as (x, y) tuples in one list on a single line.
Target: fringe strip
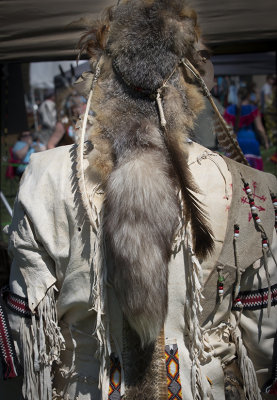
[(192, 310), (99, 305), (251, 388), (41, 343), (99, 293)]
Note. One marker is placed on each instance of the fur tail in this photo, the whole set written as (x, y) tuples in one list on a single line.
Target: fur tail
[(141, 216)]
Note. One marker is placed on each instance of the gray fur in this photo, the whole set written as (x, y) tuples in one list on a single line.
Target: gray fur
[(141, 218), (145, 166)]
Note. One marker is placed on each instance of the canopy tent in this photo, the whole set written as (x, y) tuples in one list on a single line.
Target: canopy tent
[(245, 64), (33, 30), (42, 74)]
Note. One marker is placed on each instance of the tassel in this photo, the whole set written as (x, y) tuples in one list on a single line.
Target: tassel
[(220, 283), (251, 388), (268, 280)]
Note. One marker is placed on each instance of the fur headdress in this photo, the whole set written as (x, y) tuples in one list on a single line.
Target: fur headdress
[(144, 105)]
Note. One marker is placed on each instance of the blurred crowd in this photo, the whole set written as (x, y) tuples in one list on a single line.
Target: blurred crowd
[(56, 117), (251, 113)]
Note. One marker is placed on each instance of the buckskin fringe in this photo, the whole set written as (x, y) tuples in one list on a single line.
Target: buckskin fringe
[(251, 388), (193, 309), (41, 343)]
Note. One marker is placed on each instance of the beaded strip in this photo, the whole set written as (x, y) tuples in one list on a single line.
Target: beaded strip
[(220, 283), (10, 364), (256, 299), (173, 372), (253, 207), (115, 378), (18, 305), (239, 272)]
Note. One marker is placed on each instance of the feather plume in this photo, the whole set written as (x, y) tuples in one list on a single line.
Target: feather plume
[(80, 152), (195, 213), (226, 137)]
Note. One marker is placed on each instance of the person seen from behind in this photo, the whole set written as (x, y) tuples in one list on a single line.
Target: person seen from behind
[(246, 121)]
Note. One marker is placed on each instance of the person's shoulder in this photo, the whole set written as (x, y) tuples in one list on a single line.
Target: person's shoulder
[(247, 172), (231, 109), (58, 154), (198, 153), (18, 145), (48, 172), (51, 163)]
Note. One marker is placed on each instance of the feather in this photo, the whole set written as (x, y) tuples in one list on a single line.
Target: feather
[(80, 153), (202, 233), (226, 138)]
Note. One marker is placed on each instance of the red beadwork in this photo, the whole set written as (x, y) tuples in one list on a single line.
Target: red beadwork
[(256, 217), (265, 243)]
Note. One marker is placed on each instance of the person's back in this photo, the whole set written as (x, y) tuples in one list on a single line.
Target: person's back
[(48, 111), (246, 121), (116, 239)]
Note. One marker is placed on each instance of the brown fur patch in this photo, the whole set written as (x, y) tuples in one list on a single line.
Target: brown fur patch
[(145, 378), (143, 166)]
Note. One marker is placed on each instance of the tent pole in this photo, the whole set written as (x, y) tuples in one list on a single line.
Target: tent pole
[(34, 108), (6, 204)]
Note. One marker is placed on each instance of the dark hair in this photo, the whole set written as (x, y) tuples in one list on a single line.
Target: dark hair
[(23, 133), (243, 93)]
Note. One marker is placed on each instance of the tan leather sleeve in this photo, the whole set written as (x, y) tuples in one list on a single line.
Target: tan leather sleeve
[(257, 324)]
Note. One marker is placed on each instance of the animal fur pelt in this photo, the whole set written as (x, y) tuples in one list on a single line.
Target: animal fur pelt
[(141, 164)]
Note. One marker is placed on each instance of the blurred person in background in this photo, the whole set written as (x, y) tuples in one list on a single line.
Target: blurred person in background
[(23, 148), (48, 111), (266, 92), (254, 95), (246, 121), (47, 116), (233, 93), (205, 131), (270, 118), (69, 111)]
